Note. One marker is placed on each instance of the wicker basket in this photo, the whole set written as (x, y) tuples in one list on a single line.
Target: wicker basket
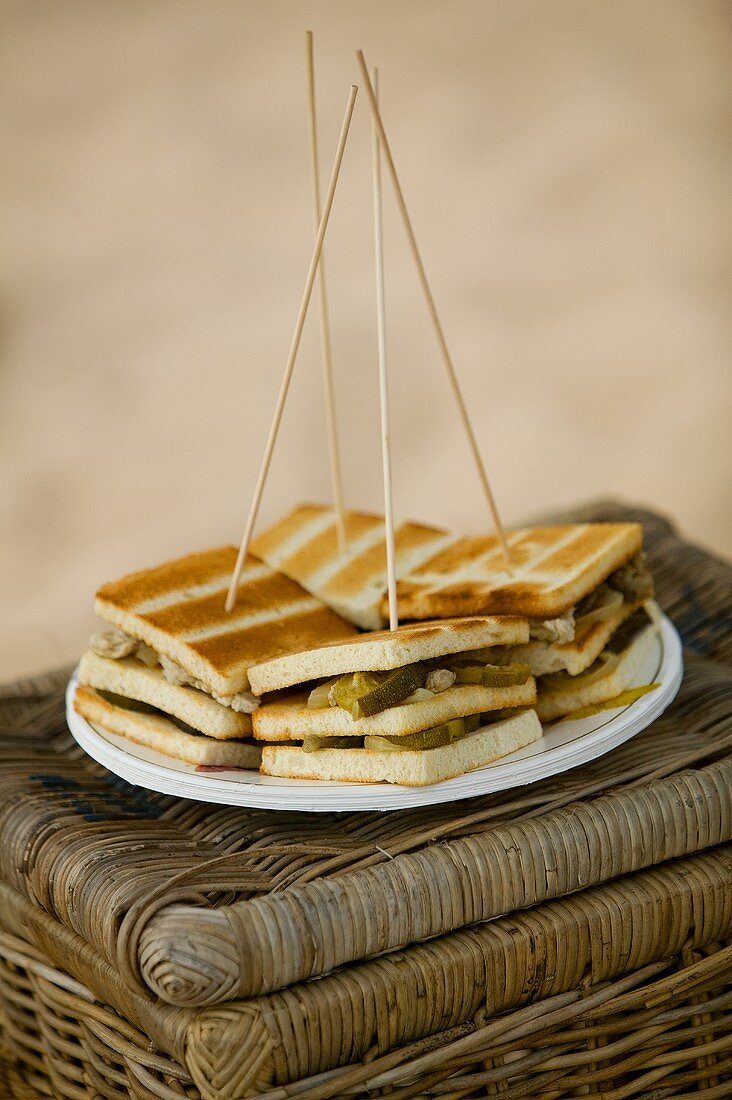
[(134, 924), (573, 962)]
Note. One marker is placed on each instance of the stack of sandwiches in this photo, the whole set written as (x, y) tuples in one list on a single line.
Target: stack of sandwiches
[(301, 680), (413, 706), (170, 671), (584, 588)]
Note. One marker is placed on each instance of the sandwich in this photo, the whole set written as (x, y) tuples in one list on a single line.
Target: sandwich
[(304, 546), (170, 671), (578, 584), (610, 678), (413, 706)]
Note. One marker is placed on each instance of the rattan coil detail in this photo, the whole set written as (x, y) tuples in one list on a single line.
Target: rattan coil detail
[(310, 930), (552, 957)]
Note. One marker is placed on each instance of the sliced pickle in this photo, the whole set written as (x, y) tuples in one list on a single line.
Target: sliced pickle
[(434, 738), (629, 631), (314, 744), (367, 693), (493, 676)]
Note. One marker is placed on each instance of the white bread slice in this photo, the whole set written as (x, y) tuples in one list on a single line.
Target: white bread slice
[(410, 768), (573, 657), (161, 734), (556, 701), (553, 569), (304, 546), (386, 649), (177, 608), (291, 719), (135, 680)]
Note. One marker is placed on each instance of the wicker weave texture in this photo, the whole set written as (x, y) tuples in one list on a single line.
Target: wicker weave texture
[(538, 983)]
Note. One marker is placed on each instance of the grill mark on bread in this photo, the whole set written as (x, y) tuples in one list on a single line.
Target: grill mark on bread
[(185, 621), (366, 572), (267, 595), (553, 569), (590, 544), (252, 572), (269, 639), (171, 576), (318, 558), (304, 545), (287, 536)]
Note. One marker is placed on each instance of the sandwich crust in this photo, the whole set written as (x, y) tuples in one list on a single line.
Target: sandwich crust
[(159, 733), (409, 768), (386, 649), (134, 680)]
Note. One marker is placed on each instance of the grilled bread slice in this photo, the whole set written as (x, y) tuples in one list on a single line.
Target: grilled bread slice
[(553, 568), (163, 734), (178, 609), (134, 680), (304, 546), (387, 649), (411, 768), (290, 718)]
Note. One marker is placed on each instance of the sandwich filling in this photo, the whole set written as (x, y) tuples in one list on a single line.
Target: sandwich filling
[(364, 694), (631, 584), (608, 660), (138, 707), (436, 737), (116, 644)]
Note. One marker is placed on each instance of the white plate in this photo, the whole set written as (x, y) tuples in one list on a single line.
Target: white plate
[(563, 746)]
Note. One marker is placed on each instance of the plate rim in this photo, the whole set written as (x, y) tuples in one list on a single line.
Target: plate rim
[(385, 796)]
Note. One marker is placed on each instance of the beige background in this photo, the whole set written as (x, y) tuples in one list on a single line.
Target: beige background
[(568, 170)]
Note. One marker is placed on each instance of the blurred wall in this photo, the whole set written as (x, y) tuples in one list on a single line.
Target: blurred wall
[(567, 166)]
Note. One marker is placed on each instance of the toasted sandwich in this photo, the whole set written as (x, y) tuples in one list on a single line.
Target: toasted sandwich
[(577, 584), (304, 546), (172, 672), (611, 676), (413, 706)]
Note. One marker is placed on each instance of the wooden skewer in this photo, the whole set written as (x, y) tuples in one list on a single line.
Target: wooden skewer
[(432, 308), (334, 457), (279, 408), (383, 379)]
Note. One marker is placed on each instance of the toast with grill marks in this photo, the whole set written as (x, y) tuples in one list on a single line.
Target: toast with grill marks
[(553, 569), (177, 608), (304, 546)]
